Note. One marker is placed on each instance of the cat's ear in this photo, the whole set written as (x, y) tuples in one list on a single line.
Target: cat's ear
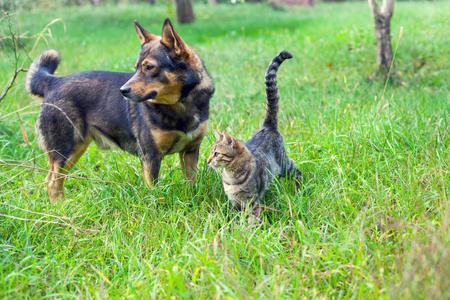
[(229, 140), (218, 134)]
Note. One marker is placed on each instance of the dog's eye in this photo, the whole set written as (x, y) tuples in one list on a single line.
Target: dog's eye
[(149, 67)]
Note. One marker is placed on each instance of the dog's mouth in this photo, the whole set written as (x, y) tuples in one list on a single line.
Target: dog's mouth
[(150, 96)]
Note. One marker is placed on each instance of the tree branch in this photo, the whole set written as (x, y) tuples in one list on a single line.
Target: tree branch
[(11, 45), (387, 8), (373, 4), (11, 82)]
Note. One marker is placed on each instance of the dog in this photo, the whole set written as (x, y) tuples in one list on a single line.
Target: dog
[(161, 109)]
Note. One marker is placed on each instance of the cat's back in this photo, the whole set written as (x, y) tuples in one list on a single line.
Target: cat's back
[(265, 140), (267, 146)]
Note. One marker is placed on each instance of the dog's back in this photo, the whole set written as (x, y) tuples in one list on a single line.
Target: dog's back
[(85, 106)]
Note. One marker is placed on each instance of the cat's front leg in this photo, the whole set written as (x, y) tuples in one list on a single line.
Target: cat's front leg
[(246, 201)]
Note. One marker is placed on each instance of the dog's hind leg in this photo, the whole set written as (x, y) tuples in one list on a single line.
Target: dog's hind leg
[(59, 167), (188, 161)]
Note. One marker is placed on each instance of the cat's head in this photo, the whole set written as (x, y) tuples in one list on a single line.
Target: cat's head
[(225, 150)]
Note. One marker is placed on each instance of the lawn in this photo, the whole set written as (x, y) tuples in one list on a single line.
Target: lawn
[(371, 221)]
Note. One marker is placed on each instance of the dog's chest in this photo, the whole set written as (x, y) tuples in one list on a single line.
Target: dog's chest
[(175, 141)]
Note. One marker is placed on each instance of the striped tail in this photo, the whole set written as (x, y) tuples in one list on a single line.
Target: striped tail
[(271, 119), (40, 72)]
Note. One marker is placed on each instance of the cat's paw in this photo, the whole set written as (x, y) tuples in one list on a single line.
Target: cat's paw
[(253, 220)]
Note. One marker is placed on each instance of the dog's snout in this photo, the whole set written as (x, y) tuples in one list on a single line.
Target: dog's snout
[(125, 90)]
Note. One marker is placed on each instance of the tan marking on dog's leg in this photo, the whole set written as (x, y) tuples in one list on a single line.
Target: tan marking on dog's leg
[(55, 181), (57, 174), (189, 156), (50, 173), (79, 151), (147, 176), (188, 163), (151, 168)]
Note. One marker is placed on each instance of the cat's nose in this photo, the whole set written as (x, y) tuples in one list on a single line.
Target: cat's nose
[(209, 160)]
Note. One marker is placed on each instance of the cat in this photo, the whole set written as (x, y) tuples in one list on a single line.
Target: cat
[(249, 168)]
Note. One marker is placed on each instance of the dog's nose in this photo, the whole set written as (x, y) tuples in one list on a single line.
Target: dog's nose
[(125, 90)]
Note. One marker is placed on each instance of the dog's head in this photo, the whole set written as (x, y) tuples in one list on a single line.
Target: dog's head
[(164, 70)]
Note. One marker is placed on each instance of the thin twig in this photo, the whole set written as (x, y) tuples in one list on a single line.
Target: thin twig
[(42, 214), (10, 83), (24, 133), (50, 222), (17, 47), (14, 169), (70, 176), (270, 208), (14, 112), (76, 129), (34, 220)]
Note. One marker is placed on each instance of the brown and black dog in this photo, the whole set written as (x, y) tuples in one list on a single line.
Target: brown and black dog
[(162, 108)]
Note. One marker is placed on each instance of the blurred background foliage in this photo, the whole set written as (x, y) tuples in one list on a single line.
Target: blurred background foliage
[(31, 4)]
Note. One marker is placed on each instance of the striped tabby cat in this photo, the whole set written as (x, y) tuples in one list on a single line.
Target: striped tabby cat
[(248, 169)]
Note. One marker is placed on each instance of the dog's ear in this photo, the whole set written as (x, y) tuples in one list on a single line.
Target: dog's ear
[(143, 34), (173, 41)]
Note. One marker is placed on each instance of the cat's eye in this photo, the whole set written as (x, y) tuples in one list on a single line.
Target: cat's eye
[(215, 154)]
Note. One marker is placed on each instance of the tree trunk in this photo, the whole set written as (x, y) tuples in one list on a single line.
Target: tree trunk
[(96, 2), (185, 12), (383, 32)]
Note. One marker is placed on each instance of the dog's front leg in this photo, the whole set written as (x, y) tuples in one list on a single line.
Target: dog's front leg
[(189, 160), (151, 163)]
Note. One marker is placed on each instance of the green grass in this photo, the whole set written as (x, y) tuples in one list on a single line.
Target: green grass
[(372, 220)]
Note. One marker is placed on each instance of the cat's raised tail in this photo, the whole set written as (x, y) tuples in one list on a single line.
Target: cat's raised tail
[(271, 119)]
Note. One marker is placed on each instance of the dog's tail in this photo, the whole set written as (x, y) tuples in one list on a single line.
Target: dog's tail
[(40, 72), (271, 119)]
